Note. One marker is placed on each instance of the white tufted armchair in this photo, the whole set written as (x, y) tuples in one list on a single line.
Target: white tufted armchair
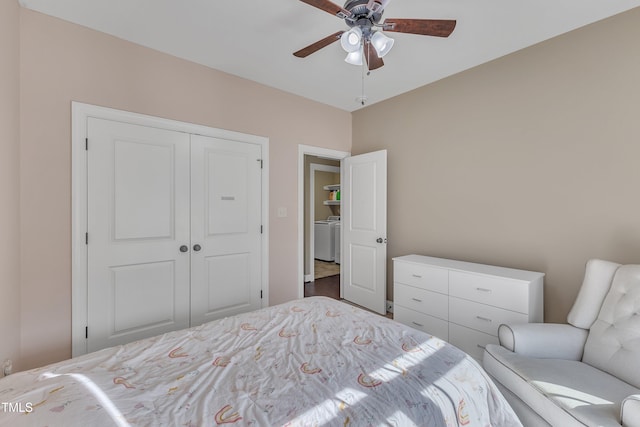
[(586, 372)]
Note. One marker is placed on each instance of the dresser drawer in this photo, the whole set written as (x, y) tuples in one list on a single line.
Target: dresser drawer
[(497, 291), (421, 276), (470, 341), (421, 300), (481, 317), (424, 322)]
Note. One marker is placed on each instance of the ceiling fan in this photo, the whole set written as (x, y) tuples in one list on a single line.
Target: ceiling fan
[(365, 38)]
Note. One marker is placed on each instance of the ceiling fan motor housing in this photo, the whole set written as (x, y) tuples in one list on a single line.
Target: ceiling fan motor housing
[(361, 15)]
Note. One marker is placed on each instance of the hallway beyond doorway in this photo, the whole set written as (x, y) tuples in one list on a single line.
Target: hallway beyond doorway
[(325, 269)]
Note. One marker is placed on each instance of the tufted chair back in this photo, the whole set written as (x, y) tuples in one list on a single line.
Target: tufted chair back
[(613, 344)]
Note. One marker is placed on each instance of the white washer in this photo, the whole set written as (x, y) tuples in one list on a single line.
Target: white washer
[(324, 238)]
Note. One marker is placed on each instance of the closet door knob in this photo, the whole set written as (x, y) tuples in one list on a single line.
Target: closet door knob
[(197, 247), (184, 248)]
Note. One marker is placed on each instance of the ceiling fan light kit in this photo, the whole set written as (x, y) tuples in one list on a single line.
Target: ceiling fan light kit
[(381, 43), (351, 40), (354, 58)]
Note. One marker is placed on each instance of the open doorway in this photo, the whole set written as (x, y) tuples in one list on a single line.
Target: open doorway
[(322, 226), (319, 222), (363, 230)]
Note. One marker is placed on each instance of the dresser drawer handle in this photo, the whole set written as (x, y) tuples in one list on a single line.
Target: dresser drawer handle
[(417, 276), (418, 324), (481, 346), (484, 319), (416, 299), (483, 290)]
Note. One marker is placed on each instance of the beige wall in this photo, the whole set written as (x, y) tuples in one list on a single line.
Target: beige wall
[(529, 161), (9, 178), (62, 62)]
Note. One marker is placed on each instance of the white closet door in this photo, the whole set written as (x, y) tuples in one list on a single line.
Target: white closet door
[(225, 224), (138, 218)]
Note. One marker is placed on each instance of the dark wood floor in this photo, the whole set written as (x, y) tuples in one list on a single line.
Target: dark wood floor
[(329, 287), (326, 287)]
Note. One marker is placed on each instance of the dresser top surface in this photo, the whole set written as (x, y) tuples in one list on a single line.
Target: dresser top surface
[(470, 267)]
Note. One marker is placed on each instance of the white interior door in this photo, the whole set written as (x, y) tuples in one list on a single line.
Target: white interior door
[(226, 226), (138, 218), (364, 230)]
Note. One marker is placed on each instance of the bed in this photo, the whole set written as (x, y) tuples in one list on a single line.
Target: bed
[(310, 362)]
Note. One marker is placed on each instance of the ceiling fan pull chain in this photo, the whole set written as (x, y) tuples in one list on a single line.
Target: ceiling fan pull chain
[(368, 58), (363, 98)]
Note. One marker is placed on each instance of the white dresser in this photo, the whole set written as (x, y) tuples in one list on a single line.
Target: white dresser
[(462, 302)]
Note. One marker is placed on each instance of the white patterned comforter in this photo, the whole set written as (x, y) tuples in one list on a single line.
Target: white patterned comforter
[(311, 362)]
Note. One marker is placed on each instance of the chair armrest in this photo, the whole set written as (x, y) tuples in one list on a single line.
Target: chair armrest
[(630, 411), (544, 340)]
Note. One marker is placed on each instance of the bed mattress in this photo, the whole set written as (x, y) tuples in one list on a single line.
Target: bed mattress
[(310, 362)]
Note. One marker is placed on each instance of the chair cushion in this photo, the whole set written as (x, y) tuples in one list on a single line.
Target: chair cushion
[(598, 276), (630, 412), (563, 392), (543, 340), (613, 344)]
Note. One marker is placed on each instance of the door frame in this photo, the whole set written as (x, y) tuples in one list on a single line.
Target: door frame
[(319, 152), (80, 112)]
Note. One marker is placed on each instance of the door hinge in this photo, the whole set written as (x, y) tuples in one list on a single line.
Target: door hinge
[(86, 238), (260, 160), (86, 143), (260, 294), (86, 332), (260, 229)]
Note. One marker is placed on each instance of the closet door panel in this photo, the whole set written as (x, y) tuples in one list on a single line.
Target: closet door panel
[(225, 224), (232, 268), (227, 193), (138, 217), (144, 176)]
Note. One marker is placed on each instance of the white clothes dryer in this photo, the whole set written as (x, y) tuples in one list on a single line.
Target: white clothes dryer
[(324, 238)]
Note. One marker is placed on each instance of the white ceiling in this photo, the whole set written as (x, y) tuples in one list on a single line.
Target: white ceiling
[(255, 39)]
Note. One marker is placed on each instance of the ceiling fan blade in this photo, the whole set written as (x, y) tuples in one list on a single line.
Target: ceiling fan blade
[(304, 52), (329, 7), (426, 27), (373, 60)]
